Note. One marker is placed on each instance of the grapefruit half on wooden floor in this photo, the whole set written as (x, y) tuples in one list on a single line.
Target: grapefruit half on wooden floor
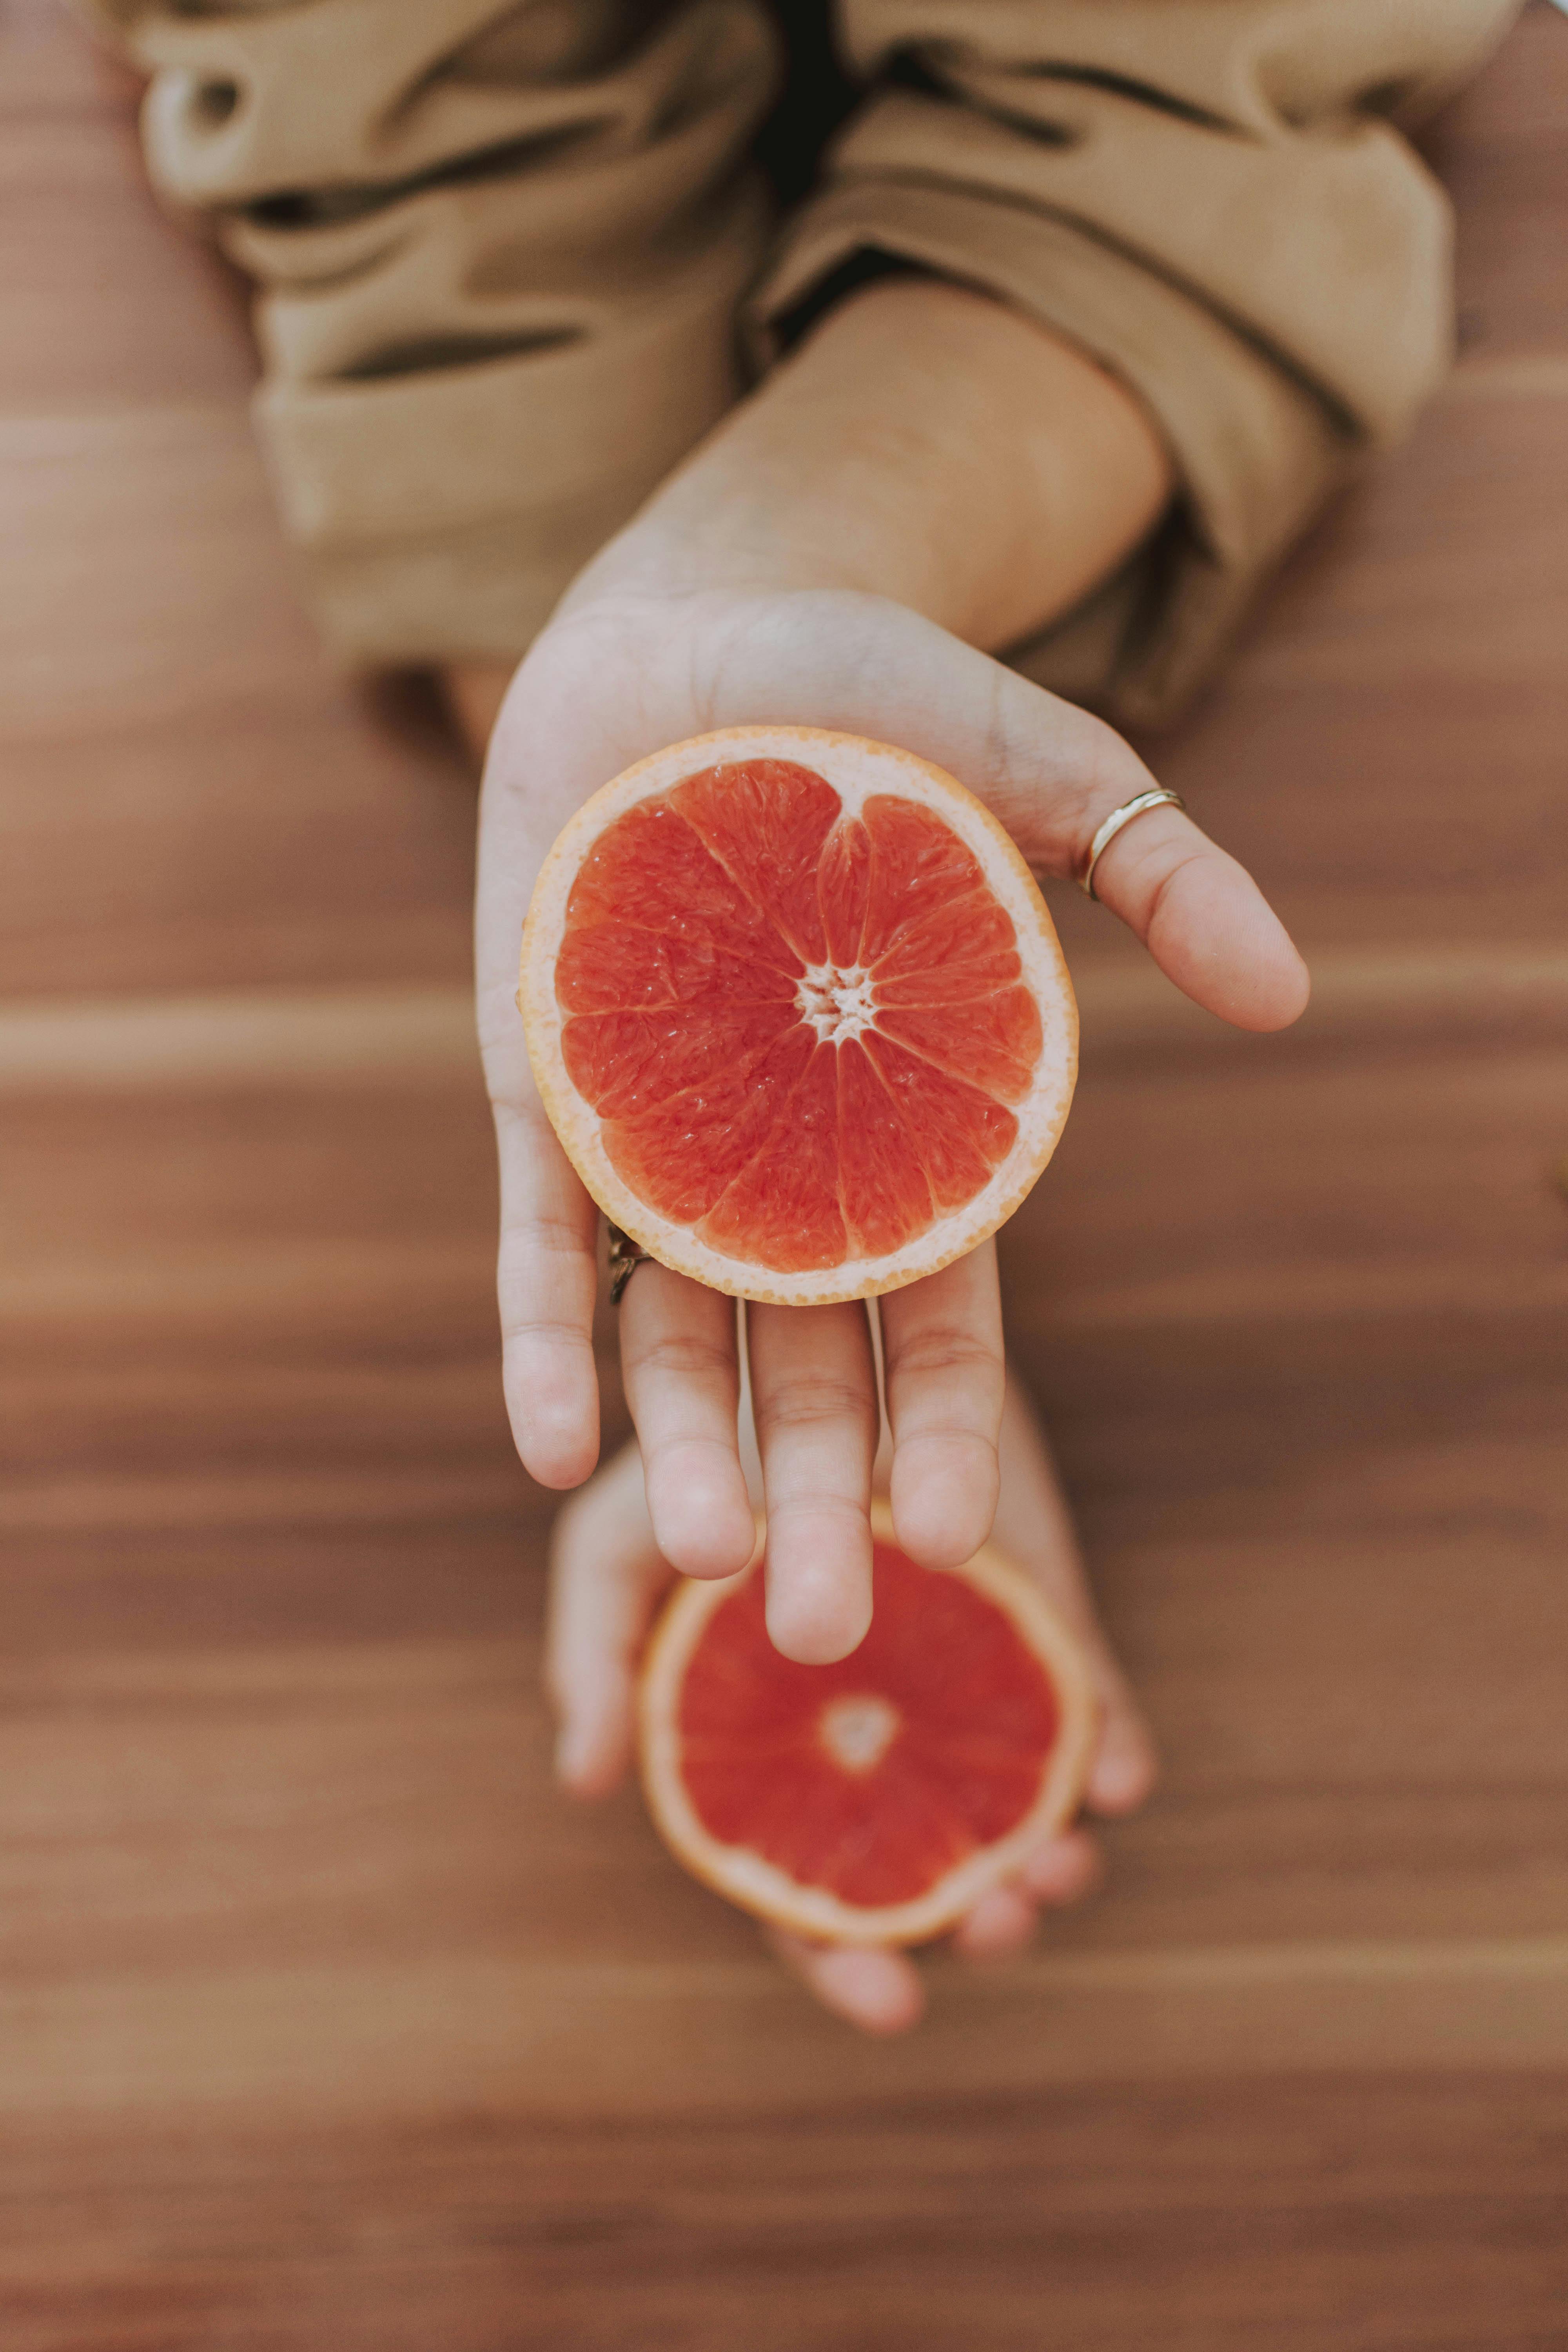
[(797, 1013), (874, 1801)]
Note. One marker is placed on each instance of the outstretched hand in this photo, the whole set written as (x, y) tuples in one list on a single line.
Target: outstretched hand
[(617, 677), (607, 1581)]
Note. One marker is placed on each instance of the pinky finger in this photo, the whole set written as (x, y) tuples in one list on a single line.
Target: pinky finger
[(547, 1278), (1000, 1925), (880, 1991), (1064, 1869), (605, 1574)]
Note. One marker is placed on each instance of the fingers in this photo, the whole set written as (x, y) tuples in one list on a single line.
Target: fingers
[(546, 1280), (1062, 1869), (1000, 1925), (547, 1269), (880, 1991), (1204, 919), (814, 1399), (678, 1354), (943, 1366), (1050, 771), (1053, 774), (1126, 1764), (606, 1575), (1033, 1524)]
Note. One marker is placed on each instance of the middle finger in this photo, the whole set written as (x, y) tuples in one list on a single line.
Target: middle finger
[(814, 1399)]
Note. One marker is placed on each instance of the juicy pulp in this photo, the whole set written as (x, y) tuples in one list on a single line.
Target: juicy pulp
[(873, 1778), (802, 1030)]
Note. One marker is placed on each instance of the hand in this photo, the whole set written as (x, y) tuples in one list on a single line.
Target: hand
[(617, 676), (607, 1581)]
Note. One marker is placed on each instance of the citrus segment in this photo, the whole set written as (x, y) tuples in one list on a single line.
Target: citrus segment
[(873, 1800), (992, 1041), (682, 1152), (966, 1715), (765, 823), (798, 1014), (630, 1062), (881, 1169), (783, 1206), (959, 1132)]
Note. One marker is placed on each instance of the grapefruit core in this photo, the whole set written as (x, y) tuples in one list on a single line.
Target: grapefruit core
[(875, 1801), (797, 1013)]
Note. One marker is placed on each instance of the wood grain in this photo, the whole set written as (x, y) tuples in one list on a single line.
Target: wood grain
[(326, 2024), (1298, 2212)]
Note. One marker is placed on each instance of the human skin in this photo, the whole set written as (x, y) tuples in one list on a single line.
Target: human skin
[(929, 478)]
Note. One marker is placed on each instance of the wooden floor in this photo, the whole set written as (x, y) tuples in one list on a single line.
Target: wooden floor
[(327, 2025)]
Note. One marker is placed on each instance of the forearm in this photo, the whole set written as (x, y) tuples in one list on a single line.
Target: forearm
[(924, 443)]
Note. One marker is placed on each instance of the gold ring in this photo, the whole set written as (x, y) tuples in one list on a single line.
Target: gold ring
[(1159, 797), (625, 1256)]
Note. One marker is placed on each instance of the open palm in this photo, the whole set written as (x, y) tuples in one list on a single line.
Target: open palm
[(608, 683)]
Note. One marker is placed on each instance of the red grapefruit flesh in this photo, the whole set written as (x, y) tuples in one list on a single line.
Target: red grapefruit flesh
[(797, 1013), (875, 1801)]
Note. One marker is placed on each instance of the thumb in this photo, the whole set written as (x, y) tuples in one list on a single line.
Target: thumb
[(1051, 772), (606, 1577)]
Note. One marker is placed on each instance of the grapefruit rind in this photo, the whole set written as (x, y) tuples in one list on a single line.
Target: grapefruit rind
[(856, 767), (758, 1885)]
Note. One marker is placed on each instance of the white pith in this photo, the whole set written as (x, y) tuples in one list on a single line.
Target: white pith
[(833, 1001), (859, 1730), (837, 1004), (758, 1885)]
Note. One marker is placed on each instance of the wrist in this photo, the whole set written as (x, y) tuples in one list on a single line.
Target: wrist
[(924, 443)]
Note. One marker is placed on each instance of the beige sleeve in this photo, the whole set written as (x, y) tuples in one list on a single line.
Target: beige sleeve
[(499, 255), (1214, 198)]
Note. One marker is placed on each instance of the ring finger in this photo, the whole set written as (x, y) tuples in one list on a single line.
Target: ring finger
[(678, 1356), (941, 1346)]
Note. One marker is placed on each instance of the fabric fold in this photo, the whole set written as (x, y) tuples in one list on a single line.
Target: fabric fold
[(499, 255), (504, 256), (1211, 200)]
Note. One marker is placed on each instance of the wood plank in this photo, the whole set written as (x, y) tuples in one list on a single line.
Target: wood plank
[(1367, 2212), (325, 2021), (1445, 564), (78, 212), (594, 2039), (1425, 997), (1499, 152), (191, 793), (351, 1758)]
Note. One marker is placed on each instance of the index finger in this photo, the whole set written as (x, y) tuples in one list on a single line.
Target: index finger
[(814, 1401)]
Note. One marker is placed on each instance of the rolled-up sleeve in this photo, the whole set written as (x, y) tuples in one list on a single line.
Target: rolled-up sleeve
[(1215, 199), (498, 258)]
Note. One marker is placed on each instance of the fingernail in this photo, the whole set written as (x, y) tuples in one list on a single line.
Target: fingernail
[(571, 1751)]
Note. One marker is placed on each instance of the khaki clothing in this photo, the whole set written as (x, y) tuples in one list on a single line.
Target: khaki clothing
[(512, 261)]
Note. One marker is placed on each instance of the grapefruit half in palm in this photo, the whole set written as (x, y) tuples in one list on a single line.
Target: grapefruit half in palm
[(797, 1013), (875, 1801)]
